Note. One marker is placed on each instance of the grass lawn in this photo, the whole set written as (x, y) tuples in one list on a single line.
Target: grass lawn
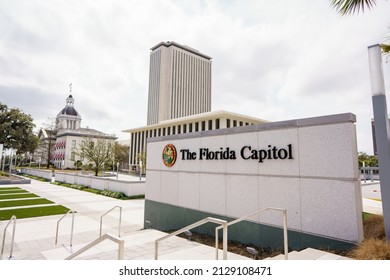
[(12, 191), (33, 212), (11, 197), (24, 202), (15, 196)]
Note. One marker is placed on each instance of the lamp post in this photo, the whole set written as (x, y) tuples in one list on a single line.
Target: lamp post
[(117, 170), (140, 169), (381, 129), (10, 161), (2, 167), (1, 153)]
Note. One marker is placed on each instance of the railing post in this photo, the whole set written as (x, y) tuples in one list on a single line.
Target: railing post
[(156, 250), (285, 234), (13, 238), (13, 218), (120, 220), (216, 243), (225, 240), (71, 229), (121, 249), (250, 215), (201, 222)]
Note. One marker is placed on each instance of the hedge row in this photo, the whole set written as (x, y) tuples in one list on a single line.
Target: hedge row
[(117, 195)]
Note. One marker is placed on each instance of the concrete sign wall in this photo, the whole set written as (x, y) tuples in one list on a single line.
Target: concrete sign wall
[(307, 166)]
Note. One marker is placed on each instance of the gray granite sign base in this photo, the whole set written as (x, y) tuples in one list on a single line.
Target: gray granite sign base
[(167, 217)]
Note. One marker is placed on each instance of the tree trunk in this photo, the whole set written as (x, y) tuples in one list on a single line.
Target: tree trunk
[(48, 155)]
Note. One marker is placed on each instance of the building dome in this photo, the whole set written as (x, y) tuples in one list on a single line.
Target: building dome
[(68, 118), (69, 110)]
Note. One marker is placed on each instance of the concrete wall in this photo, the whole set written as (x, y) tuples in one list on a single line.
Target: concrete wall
[(318, 185), (47, 174), (129, 188)]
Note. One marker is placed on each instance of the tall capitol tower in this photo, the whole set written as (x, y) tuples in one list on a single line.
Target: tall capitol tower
[(179, 100), (179, 82)]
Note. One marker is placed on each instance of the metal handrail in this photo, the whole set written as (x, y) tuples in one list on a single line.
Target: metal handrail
[(120, 220), (13, 218), (285, 239), (120, 241), (71, 230), (222, 224)]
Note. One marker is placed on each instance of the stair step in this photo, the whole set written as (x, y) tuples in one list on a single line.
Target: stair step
[(309, 254)]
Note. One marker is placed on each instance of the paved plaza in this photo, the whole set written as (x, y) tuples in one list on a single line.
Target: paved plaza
[(371, 193), (35, 237)]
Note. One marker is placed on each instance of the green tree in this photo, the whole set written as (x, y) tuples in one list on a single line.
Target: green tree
[(16, 130), (98, 151), (345, 7), (369, 160), (141, 157), (47, 138), (121, 153)]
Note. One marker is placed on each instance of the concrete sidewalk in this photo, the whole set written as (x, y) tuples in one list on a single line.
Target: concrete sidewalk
[(371, 195)]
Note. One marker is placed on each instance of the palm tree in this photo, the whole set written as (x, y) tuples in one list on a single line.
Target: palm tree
[(351, 6), (354, 6)]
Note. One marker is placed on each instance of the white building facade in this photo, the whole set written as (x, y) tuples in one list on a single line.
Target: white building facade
[(179, 82)]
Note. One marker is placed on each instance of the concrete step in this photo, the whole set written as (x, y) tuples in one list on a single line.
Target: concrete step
[(139, 245), (309, 254)]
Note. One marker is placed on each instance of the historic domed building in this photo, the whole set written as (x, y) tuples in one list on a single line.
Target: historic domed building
[(69, 118), (61, 143)]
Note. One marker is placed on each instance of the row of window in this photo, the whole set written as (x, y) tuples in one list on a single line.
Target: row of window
[(235, 123), (73, 156), (138, 139), (154, 89), (70, 124), (185, 128), (191, 85)]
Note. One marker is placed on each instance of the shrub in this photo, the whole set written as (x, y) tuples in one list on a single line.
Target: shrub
[(34, 177), (118, 195), (95, 191), (374, 227), (77, 187), (4, 174), (375, 245), (372, 249), (140, 196)]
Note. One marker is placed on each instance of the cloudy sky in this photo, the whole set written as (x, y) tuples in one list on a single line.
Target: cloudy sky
[(274, 60)]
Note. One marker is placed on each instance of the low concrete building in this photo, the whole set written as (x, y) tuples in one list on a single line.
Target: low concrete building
[(191, 124)]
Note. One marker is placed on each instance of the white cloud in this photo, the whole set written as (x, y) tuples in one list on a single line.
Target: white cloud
[(271, 59)]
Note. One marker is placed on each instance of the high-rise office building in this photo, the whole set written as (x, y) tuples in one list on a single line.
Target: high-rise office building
[(179, 82), (179, 99)]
